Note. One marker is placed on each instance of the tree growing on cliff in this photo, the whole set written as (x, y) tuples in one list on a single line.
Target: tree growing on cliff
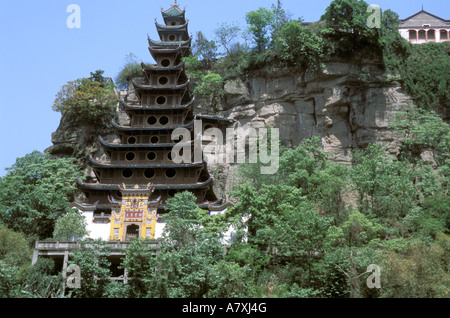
[(88, 99), (346, 30), (297, 45)]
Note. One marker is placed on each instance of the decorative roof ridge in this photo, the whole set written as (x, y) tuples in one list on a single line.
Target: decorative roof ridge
[(426, 12), (174, 6)]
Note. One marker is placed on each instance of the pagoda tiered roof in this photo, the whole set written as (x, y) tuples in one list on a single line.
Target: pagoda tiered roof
[(129, 128), (174, 12), (178, 106), (182, 27), (169, 44), (156, 88), (161, 165), (129, 107), (107, 145), (178, 50), (155, 68)]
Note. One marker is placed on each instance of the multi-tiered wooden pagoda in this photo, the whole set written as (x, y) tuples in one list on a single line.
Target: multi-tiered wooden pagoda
[(140, 173)]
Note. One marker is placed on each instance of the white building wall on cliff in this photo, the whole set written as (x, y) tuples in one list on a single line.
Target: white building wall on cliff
[(96, 230)]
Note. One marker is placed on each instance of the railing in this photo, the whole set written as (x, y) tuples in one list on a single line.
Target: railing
[(65, 245)]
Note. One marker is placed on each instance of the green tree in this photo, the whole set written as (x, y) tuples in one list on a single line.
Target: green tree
[(204, 49), (139, 263), (9, 284), (70, 227), (35, 192), (183, 267), (41, 281), (297, 45), (346, 31), (226, 35), (260, 23), (421, 272), (14, 248), (92, 258), (385, 185), (92, 100)]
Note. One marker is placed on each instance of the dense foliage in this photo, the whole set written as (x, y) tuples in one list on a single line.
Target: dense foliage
[(35, 193)]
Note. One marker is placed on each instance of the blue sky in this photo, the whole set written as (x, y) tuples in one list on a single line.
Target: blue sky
[(39, 53)]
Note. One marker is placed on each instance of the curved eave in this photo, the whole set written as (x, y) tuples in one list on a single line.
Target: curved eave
[(134, 107), (113, 187), (164, 27), (147, 68), (84, 206), (134, 146), (162, 166), (128, 128), (155, 88), (155, 52), (166, 45)]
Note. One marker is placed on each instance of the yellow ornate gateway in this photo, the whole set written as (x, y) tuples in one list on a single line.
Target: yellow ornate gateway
[(135, 215)]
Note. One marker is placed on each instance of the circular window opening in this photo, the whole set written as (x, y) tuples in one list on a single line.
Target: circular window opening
[(130, 156), (165, 63), (172, 37), (149, 173), (164, 120), (154, 140), (172, 193), (151, 156), (161, 100), (132, 140), (170, 173), (163, 80), (171, 155), (173, 23), (127, 173), (118, 194), (151, 120)]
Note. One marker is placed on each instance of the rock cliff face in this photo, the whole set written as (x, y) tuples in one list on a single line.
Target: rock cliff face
[(340, 104), (347, 105)]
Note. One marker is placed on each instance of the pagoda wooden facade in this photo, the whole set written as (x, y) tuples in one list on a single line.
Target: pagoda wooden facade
[(142, 160)]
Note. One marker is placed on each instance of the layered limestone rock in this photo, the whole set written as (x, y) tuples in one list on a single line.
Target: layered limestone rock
[(345, 109)]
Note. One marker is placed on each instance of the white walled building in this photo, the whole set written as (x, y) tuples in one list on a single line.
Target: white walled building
[(423, 27)]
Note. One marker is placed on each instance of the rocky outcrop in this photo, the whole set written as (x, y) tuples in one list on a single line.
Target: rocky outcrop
[(345, 109)]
